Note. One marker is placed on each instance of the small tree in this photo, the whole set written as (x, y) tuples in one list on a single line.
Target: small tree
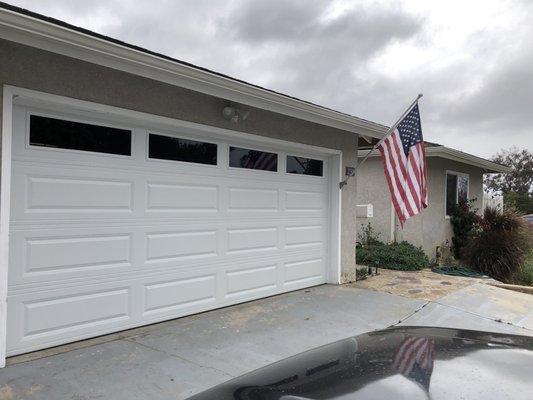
[(465, 221), (517, 185)]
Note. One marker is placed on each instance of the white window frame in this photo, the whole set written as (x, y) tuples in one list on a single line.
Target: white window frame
[(456, 173)]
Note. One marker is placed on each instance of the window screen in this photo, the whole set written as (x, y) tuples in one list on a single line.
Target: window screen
[(176, 149), (304, 166), (252, 159), (62, 134)]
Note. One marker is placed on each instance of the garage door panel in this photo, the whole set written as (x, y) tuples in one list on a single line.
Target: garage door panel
[(73, 195), (47, 317), (65, 253), (174, 294), (305, 235), (52, 194), (303, 270), (246, 281), (300, 200), (169, 197), (172, 246), (253, 199), (47, 255), (100, 243), (252, 239)]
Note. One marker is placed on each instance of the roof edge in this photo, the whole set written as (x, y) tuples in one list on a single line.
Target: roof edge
[(37, 31), (454, 155)]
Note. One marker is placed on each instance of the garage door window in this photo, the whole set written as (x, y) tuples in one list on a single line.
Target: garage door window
[(253, 159), (62, 134), (304, 166), (177, 149)]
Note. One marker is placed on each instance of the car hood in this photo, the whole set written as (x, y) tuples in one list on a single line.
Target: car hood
[(400, 363)]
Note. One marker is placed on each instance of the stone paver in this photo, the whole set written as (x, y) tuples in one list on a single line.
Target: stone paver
[(425, 284)]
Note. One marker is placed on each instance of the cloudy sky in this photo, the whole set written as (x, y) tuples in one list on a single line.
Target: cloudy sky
[(472, 60)]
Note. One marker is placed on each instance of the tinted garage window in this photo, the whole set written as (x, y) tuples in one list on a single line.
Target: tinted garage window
[(304, 166), (176, 149), (252, 159), (62, 134)]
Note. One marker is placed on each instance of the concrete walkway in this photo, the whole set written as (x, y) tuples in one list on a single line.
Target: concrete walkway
[(481, 307), (178, 358)]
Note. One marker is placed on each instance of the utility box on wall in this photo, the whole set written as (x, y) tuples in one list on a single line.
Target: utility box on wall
[(364, 211)]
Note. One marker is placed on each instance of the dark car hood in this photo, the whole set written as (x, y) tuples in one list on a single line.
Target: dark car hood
[(400, 363)]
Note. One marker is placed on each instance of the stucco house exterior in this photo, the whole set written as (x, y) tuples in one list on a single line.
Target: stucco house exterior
[(137, 188), (452, 175)]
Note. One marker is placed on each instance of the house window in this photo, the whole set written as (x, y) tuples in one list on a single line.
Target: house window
[(177, 149), (62, 134), (304, 166), (253, 159), (456, 189)]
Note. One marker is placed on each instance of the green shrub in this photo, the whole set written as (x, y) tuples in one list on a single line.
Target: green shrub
[(400, 256), (464, 220), (500, 247), (361, 254), (525, 276)]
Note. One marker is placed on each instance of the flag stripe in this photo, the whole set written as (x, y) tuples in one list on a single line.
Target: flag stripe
[(398, 178), (392, 187), (399, 175), (394, 184), (414, 198)]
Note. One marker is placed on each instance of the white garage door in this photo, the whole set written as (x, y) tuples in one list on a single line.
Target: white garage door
[(118, 224)]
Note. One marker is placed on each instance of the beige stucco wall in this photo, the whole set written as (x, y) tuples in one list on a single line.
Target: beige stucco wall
[(35, 69), (428, 229)]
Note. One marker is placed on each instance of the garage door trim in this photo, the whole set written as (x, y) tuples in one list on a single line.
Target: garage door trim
[(13, 94)]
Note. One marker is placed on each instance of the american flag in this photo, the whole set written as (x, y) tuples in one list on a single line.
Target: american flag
[(404, 160)]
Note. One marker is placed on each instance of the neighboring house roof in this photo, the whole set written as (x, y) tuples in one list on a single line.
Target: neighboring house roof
[(29, 28), (438, 150)]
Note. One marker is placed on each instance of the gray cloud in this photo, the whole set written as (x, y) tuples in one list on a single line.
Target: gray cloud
[(263, 21), (478, 96)]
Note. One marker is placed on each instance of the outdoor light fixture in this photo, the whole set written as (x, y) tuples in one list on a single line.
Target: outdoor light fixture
[(234, 114)]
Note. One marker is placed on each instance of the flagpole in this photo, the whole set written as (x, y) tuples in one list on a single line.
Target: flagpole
[(391, 129)]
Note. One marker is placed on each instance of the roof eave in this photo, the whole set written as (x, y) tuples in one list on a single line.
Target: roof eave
[(454, 155), (48, 36)]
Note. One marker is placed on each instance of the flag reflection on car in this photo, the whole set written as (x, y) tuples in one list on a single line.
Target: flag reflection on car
[(414, 359)]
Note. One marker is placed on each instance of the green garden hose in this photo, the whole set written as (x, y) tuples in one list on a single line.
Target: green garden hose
[(456, 271)]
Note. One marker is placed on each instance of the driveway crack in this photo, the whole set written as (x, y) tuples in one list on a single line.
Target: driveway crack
[(178, 357), (499, 320), (410, 314)]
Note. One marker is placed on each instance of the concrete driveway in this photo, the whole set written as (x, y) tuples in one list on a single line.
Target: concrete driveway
[(176, 359)]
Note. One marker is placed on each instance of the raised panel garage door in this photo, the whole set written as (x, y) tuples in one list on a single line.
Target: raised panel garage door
[(112, 229)]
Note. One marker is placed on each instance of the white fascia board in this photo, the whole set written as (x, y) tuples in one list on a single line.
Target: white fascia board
[(58, 39), (454, 155)]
